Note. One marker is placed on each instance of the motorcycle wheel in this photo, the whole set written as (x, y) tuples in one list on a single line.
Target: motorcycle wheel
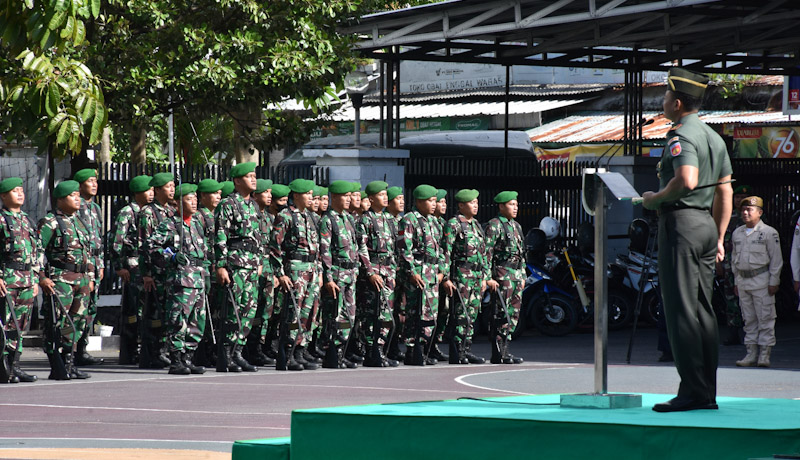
[(649, 311), (555, 318), (620, 311)]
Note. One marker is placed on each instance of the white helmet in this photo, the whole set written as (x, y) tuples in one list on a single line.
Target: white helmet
[(550, 227)]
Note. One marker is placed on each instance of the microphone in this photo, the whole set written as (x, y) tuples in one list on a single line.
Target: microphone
[(642, 123)]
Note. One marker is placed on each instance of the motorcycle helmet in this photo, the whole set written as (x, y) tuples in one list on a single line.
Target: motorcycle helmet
[(536, 240), (586, 237), (550, 227), (638, 232)]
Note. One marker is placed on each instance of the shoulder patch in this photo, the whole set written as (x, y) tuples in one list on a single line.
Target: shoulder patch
[(673, 139), (675, 149)]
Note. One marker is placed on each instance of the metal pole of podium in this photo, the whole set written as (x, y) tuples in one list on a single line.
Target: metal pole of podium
[(600, 289)]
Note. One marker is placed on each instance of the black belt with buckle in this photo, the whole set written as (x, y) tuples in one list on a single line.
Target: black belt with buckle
[(16, 266), (303, 257), (245, 245), (382, 259), (70, 267), (344, 263)]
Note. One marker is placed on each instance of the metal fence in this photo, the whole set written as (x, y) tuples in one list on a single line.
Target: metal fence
[(113, 192)]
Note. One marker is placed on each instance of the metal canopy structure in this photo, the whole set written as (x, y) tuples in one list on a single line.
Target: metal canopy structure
[(720, 36)]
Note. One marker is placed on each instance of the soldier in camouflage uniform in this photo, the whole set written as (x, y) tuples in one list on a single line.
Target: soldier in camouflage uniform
[(90, 214), (466, 271), (280, 199), (227, 189), (422, 264), (377, 250), (154, 342), (67, 276), (324, 201), (355, 200), (505, 254), (179, 246), (20, 258), (312, 351), (365, 203), (266, 282), (294, 248), (238, 254), (733, 313), (395, 208), (314, 208), (125, 259), (209, 194), (338, 250), (444, 310)]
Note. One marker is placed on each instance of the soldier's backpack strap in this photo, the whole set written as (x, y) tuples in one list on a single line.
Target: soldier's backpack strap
[(157, 214), (335, 230), (382, 246), (62, 227), (10, 244), (393, 227)]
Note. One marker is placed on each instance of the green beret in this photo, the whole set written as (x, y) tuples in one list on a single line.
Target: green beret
[(242, 169), (162, 179), (440, 194), (66, 188), (505, 197), (687, 82), (356, 187), (317, 190), (301, 185), (376, 186), (280, 190), (424, 192), (140, 183), (742, 190), (10, 184), (227, 188), (394, 192), (209, 186), (466, 195), (81, 176), (262, 185), (363, 194), (185, 189), (339, 187), (323, 191)]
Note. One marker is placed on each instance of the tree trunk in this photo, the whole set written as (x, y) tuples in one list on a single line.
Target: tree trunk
[(138, 144), (246, 123), (104, 154)]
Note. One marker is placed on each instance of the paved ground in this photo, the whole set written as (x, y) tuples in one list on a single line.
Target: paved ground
[(125, 408)]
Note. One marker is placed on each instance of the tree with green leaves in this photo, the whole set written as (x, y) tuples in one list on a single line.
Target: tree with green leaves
[(47, 92)]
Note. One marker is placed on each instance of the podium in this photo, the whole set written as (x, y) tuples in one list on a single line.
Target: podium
[(596, 183)]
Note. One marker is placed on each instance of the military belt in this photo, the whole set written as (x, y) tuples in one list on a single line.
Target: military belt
[(344, 263), (469, 265), (514, 263), (70, 267), (16, 266), (678, 207), (382, 259), (97, 252), (195, 261), (245, 245), (426, 259), (753, 273), (303, 257)]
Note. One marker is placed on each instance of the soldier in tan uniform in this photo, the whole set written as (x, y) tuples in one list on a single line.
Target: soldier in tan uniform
[(757, 263)]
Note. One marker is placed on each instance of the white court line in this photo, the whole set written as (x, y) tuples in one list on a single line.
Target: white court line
[(343, 387), (53, 406), (112, 439), (462, 382), (157, 425)]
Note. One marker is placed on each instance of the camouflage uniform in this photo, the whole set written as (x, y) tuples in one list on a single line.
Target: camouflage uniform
[(338, 251), (420, 254), (294, 246), (153, 303), (377, 250), (213, 294), (266, 293), (90, 214), (467, 267), (505, 253), (125, 255), (185, 279), (733, 312), (443, 317), (20, 259), (238, 248), (67, 245)]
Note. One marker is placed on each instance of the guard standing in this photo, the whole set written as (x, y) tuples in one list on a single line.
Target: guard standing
[(690, 238), (466, 273), (179, 246), (505, 253), (280, 198), (395, 208), (444, 306), (125, 259), (266, 282), (238, 255), (421, 261), (757, 264), (90, 214), (66, 280), (20, 254)]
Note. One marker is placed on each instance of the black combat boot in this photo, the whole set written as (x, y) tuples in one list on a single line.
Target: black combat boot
[(472, 358), (58, 370), (437, 354), (286, 359), (310, 357), (225, 362), (408, 359), (456, 355), (394, 349), (497, 353), (331, 360), (416, 357), (255, 354), (299, 357), (508, 358), (163, 355), (187, 361), (22, 375), (83, 358), (74, 372), (176, 366), (7, 374), (238, 359), (374, 358)]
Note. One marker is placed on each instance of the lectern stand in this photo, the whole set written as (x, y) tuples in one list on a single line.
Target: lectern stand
[(595, 183)]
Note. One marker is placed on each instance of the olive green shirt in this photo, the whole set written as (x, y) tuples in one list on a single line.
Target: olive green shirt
[(692, 142)]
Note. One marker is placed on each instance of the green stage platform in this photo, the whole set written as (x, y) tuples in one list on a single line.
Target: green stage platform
[(534, 427)]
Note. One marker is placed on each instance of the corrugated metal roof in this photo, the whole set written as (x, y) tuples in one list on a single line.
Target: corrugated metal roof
[(609, 126), (463, 109), (514, 91)]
